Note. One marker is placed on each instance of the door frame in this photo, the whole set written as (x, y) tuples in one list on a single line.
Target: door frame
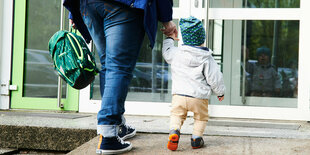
[(17, 99), (6, 31), (302, 112)]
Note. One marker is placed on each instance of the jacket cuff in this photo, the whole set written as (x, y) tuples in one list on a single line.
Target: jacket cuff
[(221, 95), (169, 38), (168, 41)]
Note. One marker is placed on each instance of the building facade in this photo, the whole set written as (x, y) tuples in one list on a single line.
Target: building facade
[(261, 46)]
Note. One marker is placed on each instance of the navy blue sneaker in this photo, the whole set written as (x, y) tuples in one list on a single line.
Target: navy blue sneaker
[(126, 131), (197, 143), (112, 145)]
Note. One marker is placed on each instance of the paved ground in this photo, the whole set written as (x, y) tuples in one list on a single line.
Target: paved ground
[(155, 144), (222, 135)]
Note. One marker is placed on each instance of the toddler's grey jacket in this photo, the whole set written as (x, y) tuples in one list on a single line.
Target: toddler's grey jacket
[(194, 71)]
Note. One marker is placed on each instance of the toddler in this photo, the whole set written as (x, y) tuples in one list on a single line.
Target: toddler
[(195, 75)]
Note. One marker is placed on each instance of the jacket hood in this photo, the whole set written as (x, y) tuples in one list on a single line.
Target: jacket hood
[(195, 56)]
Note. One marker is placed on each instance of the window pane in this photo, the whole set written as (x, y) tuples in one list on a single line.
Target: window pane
[(271, 58), (43, 20), (151, 81), (95, 90), (267, 76), (255, 4), (215, 41), (176, 3)]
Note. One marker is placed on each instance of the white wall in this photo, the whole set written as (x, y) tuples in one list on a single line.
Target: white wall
[(1, 22), (6, 27)]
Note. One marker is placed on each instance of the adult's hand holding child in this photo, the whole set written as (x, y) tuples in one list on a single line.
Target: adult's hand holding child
[(170, 30)]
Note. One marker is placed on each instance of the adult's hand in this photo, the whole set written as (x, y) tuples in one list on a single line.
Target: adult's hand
[(170, 29), (72, 23)]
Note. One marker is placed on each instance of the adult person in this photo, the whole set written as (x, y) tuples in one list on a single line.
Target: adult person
[(117, 28)]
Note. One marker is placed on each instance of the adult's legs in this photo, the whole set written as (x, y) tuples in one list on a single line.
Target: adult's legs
[(118, 32)]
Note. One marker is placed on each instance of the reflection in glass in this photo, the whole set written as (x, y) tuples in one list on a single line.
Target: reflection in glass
[(255, 4), (271, 50), (264, 79), (95, 89), (215, 43), (261, 60), (43, 19), (151, 79)]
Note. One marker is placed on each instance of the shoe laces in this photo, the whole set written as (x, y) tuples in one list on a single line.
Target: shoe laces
[(128, 126), (120, 140)]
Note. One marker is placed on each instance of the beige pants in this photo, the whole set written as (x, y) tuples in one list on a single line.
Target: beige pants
[(181, 105)]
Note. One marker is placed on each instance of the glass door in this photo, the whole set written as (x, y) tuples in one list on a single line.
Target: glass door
[(236, 28), (265, 63), (150, 88), (261, 55), (260, 42), (150, 85), (35, 21)]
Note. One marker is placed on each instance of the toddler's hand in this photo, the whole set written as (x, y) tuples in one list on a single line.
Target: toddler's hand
[(173, 36), (221, 98)]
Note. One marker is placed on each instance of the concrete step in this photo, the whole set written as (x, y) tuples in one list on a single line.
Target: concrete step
[(156, 144), (45, 130), (67, 131), (255, 124), (227, 127), (7, 151), (43, 138)]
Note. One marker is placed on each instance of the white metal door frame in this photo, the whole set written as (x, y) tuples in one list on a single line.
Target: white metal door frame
[(6, 28), (302, 112)]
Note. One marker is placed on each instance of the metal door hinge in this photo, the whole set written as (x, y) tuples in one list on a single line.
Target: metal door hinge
[(6, 88)]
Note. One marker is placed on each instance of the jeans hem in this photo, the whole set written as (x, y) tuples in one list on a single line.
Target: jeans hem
[(108, 130)]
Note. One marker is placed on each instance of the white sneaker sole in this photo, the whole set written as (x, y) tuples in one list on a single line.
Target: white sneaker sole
[(129, 135), (99, 151)]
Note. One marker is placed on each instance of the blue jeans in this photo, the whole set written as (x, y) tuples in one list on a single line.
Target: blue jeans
[(118, 33)]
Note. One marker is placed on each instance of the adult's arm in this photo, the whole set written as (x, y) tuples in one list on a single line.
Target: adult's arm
[(74, 7), (164, 12)]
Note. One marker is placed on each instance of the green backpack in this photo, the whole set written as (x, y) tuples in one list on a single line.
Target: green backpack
[(72, 59)]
